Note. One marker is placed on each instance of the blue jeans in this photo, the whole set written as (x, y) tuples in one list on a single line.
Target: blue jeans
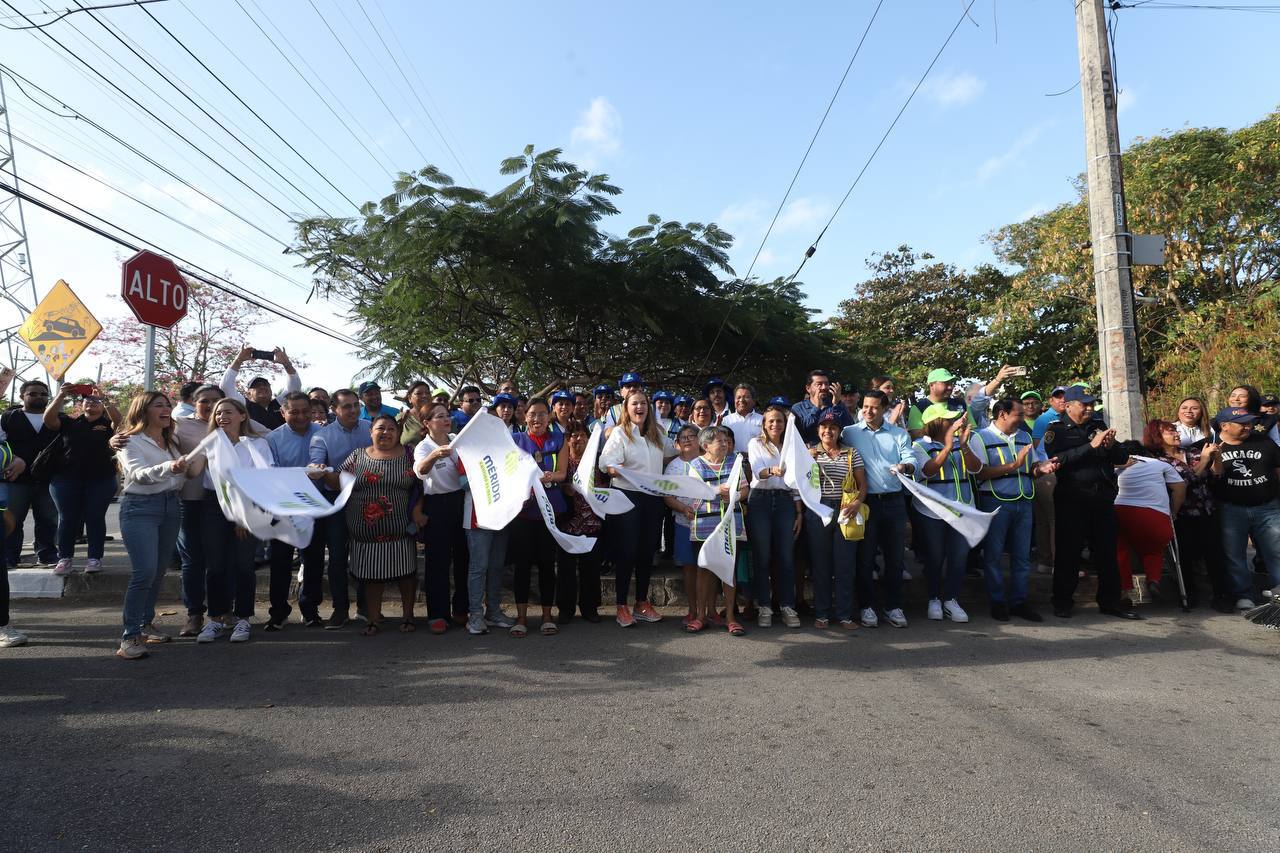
[(1238, 524), (488, 554), (191, 551), (887, 532), (831, 556), (229, 567), (34, 497), (149, 526), (82, 502), (1011, 531), (771, 518), (945, 552), (281, 563)]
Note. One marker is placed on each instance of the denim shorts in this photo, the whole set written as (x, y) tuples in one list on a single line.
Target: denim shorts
[(683, 547)]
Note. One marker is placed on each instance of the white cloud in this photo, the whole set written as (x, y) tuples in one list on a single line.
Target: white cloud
[(747, 213), (953, 90), (1126, 99), (995, 164), (598, 132), (766, 259), (802, 213)]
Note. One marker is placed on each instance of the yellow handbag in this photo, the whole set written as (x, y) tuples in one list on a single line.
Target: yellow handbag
[(856, 527)]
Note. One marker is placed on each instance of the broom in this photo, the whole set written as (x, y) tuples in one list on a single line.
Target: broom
[(1267, 615)]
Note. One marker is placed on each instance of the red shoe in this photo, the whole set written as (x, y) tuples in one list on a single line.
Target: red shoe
[(625, 619), (438, 626), (646, 613)]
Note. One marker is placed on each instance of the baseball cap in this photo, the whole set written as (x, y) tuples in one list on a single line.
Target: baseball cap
[(1235, 415), (441, 392), (779, 401), (259, 380), (829, 417), (1058, 391), (601, 389), (713, 382), (682, 400), (630, 379), (562, 394), (940, 374), (939, 410), (1036, 394), (503, 398), (663, 395), (369, 386), (1078, 394), (1270, 400)]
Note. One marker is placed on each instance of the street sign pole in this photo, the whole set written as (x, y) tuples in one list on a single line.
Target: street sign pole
[(150, 363)]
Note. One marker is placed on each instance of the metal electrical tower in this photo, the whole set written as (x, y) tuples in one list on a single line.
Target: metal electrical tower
[(17, 283)]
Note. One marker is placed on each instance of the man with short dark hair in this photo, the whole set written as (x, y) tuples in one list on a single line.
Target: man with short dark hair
[(469, 401), (291, 447), (744, 422), (822, 395), (371, 400), (263, 405), (28, 436), (714, 391), (942, 383), (185, 393)]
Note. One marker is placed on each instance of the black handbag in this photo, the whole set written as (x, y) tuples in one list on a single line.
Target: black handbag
[(48, 462)]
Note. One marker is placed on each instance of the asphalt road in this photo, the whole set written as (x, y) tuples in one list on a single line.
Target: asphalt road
[(1094, 734)]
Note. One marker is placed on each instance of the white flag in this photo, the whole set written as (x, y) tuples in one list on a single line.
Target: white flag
[(669, 485), (289, 491), (499, 474), (602, 501), (719, 553), (971, 523), (800, 472), (570, 543)]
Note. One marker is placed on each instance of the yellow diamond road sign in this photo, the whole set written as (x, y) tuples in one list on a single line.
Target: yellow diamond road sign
[(59, 330)]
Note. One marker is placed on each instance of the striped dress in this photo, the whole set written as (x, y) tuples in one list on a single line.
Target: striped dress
[(382, 549)]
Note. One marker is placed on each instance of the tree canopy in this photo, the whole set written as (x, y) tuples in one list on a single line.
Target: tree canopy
[(526, 284)]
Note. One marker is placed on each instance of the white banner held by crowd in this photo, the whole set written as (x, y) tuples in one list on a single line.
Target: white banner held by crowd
[(719, 554), (971, 523), (800, 472), (499, 474), (602, 501), (570, 543), (669, 486), (289, 491)]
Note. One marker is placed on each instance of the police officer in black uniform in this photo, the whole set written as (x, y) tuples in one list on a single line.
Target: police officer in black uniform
[(1084, 504)]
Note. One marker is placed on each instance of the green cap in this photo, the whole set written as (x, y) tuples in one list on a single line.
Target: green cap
[(439, 391), (941, 374), (939, 410), (1036, 394)]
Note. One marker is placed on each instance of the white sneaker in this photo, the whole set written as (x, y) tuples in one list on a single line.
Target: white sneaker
[(132, 649), (954, 611), (92, 566), (906, 575), (63, 568), (211, 631), (935, 609), (790, 618), (765, 617), (869, 618), (10, 637), (1243, 604), (240, 633), (896, 617), (498, 619)]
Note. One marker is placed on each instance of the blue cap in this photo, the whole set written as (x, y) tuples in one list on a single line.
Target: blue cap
[(682, 400), (567, 396), (713, 382), (663, 395), (365, 386), (503, 398), (630, 379), (1079, 395), (1236, 415), (601, 389), (779, 401)]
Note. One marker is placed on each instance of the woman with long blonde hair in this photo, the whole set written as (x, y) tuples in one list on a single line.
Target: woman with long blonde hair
[(152, 471), (635, 444)]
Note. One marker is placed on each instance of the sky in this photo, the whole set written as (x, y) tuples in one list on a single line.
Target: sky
[(699, 111)]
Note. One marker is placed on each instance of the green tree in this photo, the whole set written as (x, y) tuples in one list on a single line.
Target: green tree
[(526, 284)]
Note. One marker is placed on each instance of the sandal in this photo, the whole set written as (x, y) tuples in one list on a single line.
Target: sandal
[(518, 630), (736, 629), (693, 626), (548, 628), (371, 630), (407, 626)]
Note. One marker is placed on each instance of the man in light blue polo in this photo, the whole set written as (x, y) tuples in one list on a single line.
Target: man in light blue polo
[(886, 452), (291, 447)]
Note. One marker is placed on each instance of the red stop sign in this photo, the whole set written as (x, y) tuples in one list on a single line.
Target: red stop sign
[(154, 289)]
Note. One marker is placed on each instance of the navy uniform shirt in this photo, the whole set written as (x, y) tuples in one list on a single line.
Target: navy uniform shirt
[(1084, 471)]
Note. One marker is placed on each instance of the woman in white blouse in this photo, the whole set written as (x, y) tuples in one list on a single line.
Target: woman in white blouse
[(636, 444), (436, 465), (153, 471), (773, 521)]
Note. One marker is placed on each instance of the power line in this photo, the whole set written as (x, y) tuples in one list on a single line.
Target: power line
[(414, 92), (207, 277), (157, 119), (804, 159), (1269, 9), (425, 159), (67, 12), (390, 170), (255, 113)]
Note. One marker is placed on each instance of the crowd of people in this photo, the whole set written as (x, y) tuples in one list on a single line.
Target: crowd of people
[(1192, 492)]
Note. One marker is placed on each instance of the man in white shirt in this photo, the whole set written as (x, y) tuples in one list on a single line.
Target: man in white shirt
[(744, 422), (263, 405)]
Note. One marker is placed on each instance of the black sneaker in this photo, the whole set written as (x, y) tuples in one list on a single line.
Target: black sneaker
[(1062, 612), (336, 621), (313, 621), (274, 625), (1025, 611), (1000, 611)]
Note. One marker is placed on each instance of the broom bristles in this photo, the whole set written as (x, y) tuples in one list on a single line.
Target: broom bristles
[(1267, 615)]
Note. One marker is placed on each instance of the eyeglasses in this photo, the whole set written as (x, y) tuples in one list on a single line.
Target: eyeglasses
[(471, 401)]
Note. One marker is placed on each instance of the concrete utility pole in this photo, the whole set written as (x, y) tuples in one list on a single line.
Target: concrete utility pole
[(1112, 255)]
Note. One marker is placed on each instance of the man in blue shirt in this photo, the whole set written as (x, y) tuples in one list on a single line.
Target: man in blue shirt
[(291, 446), (1057, 405), (822, 397), (468, 405), (886, 451), (329, 448), (371, 397)]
